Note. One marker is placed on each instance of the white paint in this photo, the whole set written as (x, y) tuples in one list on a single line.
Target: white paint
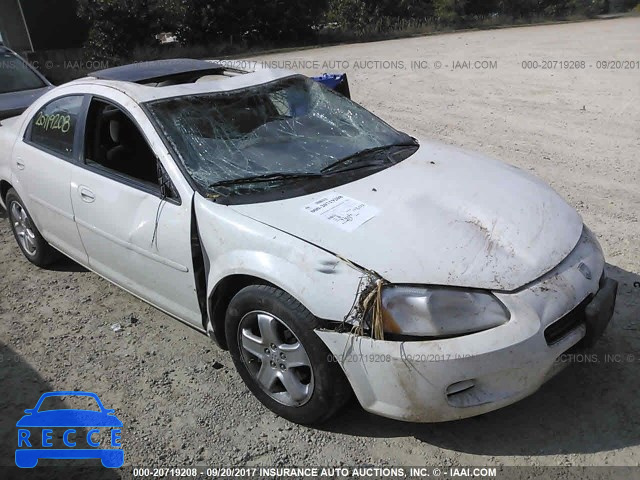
[(442, 217), (341, 211), (236, 244), (463, 220), (409, 380)]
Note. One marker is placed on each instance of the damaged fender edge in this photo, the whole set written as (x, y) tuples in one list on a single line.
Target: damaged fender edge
[(239, 257), (367, 297)]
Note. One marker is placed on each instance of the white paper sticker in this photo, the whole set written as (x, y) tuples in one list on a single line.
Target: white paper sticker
[(343, 212)]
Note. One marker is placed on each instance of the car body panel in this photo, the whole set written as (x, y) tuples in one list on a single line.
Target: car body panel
[(8, 136), (410, 380), (48, 195), (125, 243), (446, 217), (235, 245)]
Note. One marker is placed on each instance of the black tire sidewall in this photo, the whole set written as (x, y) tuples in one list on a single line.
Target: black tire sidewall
[(331, 388)]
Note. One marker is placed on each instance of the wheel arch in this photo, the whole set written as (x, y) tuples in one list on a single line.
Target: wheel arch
[(4, 189), (220, 298)]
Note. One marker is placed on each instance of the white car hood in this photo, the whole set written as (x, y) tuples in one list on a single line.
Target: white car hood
[(444, 217)]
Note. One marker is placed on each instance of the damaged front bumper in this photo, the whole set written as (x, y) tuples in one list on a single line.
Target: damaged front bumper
[(448, 379)]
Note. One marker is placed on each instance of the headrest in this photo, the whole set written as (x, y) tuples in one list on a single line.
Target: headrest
[(114, 130)]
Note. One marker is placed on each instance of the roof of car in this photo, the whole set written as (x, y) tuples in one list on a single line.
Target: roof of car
[(157, 70), (218, 83)]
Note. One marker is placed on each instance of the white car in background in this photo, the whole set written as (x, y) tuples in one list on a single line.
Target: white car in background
[(329, 252)]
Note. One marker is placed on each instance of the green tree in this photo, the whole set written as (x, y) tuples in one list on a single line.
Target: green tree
[(115, 27), (360, 15), (210, 21), (449, 12)]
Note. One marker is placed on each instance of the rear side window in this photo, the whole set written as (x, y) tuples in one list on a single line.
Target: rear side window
[(53, 127)]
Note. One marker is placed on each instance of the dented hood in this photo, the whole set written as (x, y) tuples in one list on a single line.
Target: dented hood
[(443, 216)]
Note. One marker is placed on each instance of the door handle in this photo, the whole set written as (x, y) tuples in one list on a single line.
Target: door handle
[(86, 194), (19, 164)]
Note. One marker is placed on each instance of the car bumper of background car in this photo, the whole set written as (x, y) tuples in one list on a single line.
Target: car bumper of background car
[(454, 378)]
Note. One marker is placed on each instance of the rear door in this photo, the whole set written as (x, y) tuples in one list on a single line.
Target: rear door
[(136, 233), (43, 161)]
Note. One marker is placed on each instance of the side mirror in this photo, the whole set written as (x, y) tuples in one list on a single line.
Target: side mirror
[(166, 187), (29, 411)]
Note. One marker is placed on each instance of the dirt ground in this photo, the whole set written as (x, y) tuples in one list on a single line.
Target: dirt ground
[(178, 395)]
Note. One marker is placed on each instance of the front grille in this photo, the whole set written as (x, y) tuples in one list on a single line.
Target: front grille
[(564, 325)]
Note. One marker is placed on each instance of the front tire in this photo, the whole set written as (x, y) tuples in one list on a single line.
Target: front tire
[(284, 363), (34, 247)]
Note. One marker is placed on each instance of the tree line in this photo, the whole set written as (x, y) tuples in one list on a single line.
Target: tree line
[(116, 27)]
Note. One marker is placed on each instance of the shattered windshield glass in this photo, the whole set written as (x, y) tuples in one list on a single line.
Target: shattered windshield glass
[(290, 128)]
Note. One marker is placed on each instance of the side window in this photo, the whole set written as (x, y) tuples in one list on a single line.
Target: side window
[(54, 126), (113, 142)]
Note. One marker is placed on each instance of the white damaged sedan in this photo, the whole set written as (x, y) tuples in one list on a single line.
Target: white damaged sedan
[(330, 253)]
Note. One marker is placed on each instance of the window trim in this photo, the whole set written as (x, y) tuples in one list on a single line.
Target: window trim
[(172, 153), (113, 174), (80, 123)]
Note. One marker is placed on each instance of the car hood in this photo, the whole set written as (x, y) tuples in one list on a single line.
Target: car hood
[(69, 418), (14, 103), (444, 217)]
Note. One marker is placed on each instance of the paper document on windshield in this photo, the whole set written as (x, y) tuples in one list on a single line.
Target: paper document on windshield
[(341, 211)]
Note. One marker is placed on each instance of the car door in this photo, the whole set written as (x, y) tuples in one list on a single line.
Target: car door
[(136, 233), (43, 160)]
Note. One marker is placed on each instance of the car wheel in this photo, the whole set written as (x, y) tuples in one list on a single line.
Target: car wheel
[(280, 358), (29, 239)]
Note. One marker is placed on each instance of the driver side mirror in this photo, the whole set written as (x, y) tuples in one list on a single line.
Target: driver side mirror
[(167, 190)]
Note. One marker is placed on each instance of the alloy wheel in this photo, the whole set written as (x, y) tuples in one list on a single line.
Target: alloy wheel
[(23, 228), (276, 358)]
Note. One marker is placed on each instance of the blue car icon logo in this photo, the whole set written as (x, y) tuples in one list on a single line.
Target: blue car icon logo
[(84, 434)]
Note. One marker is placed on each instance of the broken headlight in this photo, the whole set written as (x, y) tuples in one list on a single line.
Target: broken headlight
[(439, 311)]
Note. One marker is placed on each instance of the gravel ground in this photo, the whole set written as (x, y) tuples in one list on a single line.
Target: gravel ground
[(178, 395)]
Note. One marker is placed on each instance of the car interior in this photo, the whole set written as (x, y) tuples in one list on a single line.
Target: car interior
[(115, 143)]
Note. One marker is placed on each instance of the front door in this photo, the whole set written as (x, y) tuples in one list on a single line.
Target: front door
[(134, 234)]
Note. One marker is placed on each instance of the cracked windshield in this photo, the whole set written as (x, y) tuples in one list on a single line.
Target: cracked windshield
[(290, 128)]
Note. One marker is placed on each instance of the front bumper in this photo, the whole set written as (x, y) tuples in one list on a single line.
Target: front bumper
[(454, 378)]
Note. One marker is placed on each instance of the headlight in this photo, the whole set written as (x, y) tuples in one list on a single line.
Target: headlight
[(439, 311)]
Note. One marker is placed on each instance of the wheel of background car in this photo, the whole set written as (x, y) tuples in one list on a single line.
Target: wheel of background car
[(286, 366), (29, 239)]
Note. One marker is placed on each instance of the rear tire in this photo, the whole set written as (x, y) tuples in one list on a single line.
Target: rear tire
[(284, 363), (34, 247)]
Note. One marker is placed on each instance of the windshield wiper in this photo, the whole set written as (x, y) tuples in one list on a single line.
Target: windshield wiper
[(361, 155), (264, 178)]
